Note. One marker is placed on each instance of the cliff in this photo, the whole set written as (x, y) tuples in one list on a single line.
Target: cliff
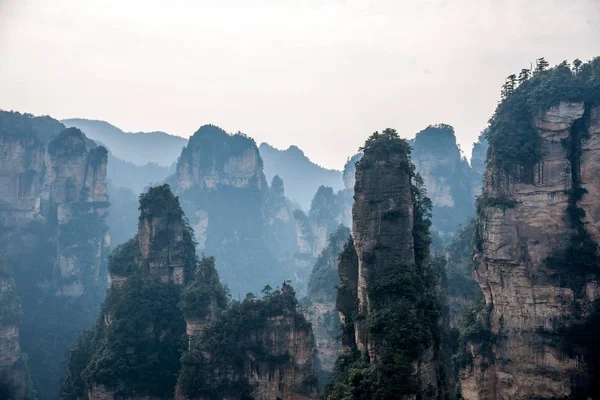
[(15, 381), (537, 243), (320, 302), (134, 350), (53, 205), (388, 288), (257, 349), (447, 175), (223, 191)]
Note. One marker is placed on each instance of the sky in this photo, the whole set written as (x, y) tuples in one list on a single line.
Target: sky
[(320, 74)]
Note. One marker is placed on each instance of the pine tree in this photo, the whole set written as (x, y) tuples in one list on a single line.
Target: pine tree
[(524, 75), (541, 64), (577, 65)]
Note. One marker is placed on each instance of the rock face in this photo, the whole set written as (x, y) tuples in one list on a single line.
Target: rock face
[(14, 376), (321, 310), (223, 191), (382, 218), (447, 176), (274, 356), (524, 225), (53, 204), (385, 262)]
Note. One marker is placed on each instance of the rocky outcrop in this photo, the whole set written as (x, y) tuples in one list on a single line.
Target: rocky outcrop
[(274, 356), (212, 159), (287, 337), (386, 281), (528, 221), (53, 205), (234, 213), (142, 325)]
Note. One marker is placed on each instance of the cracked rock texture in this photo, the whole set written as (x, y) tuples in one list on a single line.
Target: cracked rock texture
[(526, 301)]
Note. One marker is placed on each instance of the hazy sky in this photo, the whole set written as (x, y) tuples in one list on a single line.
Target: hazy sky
[(319, 74)]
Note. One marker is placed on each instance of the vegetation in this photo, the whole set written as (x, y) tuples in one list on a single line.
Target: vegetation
[(513, 139), (459, 268), (205, 295), (324, 277), (68, 143), (134, 363), (121, 261), (215, 142), (237, 336), (26, 127)]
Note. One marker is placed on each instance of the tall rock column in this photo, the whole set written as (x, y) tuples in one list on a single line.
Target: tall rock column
[(387, 285), (382, 218)]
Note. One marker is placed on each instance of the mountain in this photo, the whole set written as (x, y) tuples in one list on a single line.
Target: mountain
[(389, 296), (301, 175), (53, 234), (536, 243), (138, 148), (447, 175)]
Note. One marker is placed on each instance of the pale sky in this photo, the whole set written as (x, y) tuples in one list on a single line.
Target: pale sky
[(319, 74)]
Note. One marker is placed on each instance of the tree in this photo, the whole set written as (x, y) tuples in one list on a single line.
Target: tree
[(509, 86), (541, 64), (576, 65), (524, 75)]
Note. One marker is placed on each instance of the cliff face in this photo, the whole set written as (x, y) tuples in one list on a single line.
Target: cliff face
[(213, 158), (14, 373), (386, 284), (53, 205), (321, 310), (224, 192), (514, 274), (447, 176), (537, 255), (259, 348)]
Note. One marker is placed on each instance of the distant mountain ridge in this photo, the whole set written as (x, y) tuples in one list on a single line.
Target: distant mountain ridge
[(302, 177), (138, 148)]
